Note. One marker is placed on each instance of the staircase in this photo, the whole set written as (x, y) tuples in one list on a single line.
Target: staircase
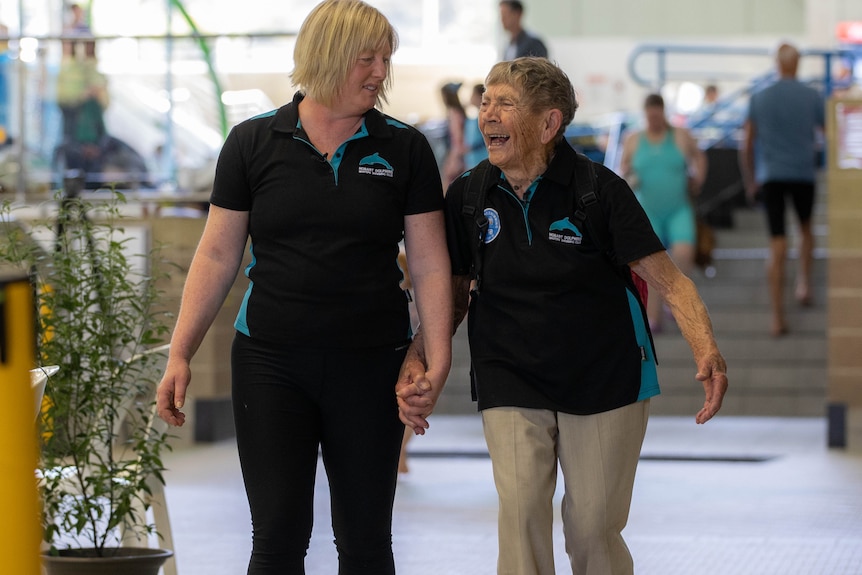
[(768, 376)]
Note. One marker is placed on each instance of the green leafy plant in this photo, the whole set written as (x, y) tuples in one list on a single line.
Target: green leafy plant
[(100, 452)]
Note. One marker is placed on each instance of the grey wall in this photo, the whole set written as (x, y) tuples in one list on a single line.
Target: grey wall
[(703, 18)]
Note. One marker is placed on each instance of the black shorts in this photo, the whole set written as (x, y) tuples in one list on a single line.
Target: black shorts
[(774, 193)]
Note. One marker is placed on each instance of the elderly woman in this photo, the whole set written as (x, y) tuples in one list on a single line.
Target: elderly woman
[(325, 188), (563, 366)]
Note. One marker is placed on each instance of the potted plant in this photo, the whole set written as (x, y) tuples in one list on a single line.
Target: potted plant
[(100, 452)]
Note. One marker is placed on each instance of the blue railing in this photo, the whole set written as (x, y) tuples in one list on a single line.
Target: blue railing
[(664, 71), (719, 126)]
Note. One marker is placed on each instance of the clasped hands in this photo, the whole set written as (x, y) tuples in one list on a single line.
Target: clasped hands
[(416, 391)]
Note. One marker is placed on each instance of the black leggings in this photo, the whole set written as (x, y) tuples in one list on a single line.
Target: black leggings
[(289, 402)]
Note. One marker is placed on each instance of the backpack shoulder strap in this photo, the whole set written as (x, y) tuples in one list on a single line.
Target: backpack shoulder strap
[(589, 214), (479, 181), (588, 210)]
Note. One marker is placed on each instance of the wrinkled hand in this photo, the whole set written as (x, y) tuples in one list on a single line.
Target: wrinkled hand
[(712, 371), (415, 393), (171, 393)]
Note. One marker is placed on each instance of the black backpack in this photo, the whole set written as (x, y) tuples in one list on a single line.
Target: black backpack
[(588, 215)]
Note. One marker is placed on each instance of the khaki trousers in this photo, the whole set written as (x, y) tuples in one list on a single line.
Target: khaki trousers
[(598, 455)]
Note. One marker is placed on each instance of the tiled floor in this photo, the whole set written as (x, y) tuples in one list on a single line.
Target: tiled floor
[(737, 496)]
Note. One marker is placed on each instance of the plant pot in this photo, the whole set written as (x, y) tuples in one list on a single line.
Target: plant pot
[(117, 561)]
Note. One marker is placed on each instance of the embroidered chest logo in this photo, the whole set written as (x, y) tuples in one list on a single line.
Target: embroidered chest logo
[(493, 225), (374, 165), (565, 232)]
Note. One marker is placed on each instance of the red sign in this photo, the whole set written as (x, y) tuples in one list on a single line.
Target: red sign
[(849, 32)]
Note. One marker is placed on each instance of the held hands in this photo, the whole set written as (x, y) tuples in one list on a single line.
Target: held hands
[(171, 393), (415, 392), (712, 371)]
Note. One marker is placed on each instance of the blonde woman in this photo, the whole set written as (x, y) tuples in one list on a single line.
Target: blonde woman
[(325, 187)]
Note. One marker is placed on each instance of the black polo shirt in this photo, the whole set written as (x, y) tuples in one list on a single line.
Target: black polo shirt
[(324, 234), (555, 326)]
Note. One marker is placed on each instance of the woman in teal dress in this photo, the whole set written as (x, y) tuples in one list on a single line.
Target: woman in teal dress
[(665, 167)]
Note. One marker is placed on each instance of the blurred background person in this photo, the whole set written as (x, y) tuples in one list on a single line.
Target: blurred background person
[(710, 95), (778, 158), (456, 117), (521, 42), (82, 95), (474, 142), (665, 167), (76, 22)]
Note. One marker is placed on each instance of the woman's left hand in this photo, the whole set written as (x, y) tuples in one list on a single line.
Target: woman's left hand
[(415, 392), (712, 372)]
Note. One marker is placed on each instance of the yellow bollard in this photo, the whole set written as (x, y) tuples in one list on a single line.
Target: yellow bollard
[(19, 504)]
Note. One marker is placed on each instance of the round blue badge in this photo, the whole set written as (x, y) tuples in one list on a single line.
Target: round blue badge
[(493, 225)]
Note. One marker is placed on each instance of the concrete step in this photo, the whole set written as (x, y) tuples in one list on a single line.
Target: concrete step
[(749, 348), (735, 322), (750, 231), (761, 400), (749, 294), (750, 263)]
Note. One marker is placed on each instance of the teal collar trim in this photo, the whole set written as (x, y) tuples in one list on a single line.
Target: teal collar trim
[(528, 194)]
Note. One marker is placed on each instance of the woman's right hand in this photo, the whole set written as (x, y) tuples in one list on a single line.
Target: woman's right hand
[(171, 393), (417, 399), (417, 390)]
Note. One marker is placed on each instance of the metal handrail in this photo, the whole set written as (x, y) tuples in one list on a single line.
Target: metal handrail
[(663, 51), (726, 130)]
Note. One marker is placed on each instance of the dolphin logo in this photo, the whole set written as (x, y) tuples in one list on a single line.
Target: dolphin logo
[(375, 160), (565, 224)]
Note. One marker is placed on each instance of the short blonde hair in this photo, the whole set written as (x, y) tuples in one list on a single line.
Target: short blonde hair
[(543, 86), (330, 41)]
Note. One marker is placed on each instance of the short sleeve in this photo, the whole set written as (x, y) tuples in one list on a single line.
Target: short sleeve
[(230, 186), (425, 189)]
